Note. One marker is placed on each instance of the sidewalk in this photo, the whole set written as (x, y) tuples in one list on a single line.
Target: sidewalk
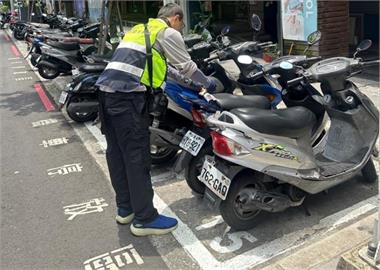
[(324, 254)]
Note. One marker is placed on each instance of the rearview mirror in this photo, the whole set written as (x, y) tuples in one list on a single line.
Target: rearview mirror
[(245, 59), (255, 22), (314, 37), (364, 45), (225, 30)]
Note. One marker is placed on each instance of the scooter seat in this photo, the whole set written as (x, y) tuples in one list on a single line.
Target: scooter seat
[(293, 122), (67, 46), (229, 101), (92, 68)]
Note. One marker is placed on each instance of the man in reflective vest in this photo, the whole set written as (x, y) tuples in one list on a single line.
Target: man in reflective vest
[(124, 116)]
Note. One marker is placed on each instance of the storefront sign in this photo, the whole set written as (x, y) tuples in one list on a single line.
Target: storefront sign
[(299, 18)]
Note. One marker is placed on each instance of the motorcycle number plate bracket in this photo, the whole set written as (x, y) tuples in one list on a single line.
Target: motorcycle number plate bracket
[(63, 97), (215, 180), (192, 143)]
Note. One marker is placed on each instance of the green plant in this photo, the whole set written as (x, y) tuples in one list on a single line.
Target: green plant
[(4, 8)]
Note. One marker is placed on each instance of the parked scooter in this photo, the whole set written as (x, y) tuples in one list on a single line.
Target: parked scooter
[(81, 95), (192, 161), (5, 18), (266, 160), (62, 57)]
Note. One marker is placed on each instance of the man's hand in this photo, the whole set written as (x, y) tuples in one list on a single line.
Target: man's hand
[(203, 91)]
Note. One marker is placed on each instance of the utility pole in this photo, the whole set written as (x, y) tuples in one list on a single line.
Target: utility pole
[(12, 5)]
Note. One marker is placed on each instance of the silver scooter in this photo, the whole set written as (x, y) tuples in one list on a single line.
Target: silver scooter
[(265, 160)]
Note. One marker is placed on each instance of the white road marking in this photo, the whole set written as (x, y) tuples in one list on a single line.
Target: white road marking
[(210, 223), (235, 244), (14, 58), (97, 134), (65, 169), (92, 206), (18, 67), (24, 79), (44, 122), (20, 72), (114, 259), (266, 251), (54, 142), (23, 50)]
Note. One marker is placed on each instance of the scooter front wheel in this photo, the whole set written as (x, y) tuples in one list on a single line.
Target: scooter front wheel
[(232, 209), (369, 172)]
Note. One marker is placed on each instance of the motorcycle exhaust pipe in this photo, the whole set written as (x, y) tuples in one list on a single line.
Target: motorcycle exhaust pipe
[(253, 199), (83, 107), (48, 64), (160, 137)]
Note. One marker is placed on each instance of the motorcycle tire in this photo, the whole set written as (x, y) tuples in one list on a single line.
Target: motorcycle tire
[(162, 156), (194, 169), (369, 172), (17, 34), (234, 216), (81, 117), (47, 72)]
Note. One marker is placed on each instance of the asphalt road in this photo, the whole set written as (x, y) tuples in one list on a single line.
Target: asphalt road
[(37, 233)]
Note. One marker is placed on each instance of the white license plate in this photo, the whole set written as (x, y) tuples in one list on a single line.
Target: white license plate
[(192, 143), (75, 71), (214, 179), (63, 97)]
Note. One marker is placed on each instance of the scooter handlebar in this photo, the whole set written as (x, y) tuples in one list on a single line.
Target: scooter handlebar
[(371, 63), (295, 81)]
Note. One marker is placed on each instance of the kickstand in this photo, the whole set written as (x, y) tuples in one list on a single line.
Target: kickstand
[(306, 209)]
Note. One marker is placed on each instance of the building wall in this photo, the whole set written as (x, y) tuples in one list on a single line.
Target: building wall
[(333, 22)]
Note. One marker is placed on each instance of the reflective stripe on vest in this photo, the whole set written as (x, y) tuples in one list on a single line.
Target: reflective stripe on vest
[(128, 69)]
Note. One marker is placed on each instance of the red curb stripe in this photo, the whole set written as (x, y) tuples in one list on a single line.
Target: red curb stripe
[(15, 51), (44, 98), (7, 37)]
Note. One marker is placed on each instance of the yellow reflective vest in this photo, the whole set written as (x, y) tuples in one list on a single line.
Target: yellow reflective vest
[(128, 68)]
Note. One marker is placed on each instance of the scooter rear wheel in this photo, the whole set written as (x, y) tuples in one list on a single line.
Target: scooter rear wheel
[(47, 72), (369, 172), (231, 208), (80, 117), (17, 34), (194, 169), (162, 155)]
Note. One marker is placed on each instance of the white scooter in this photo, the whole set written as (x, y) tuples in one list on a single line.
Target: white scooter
[(266, 160)]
